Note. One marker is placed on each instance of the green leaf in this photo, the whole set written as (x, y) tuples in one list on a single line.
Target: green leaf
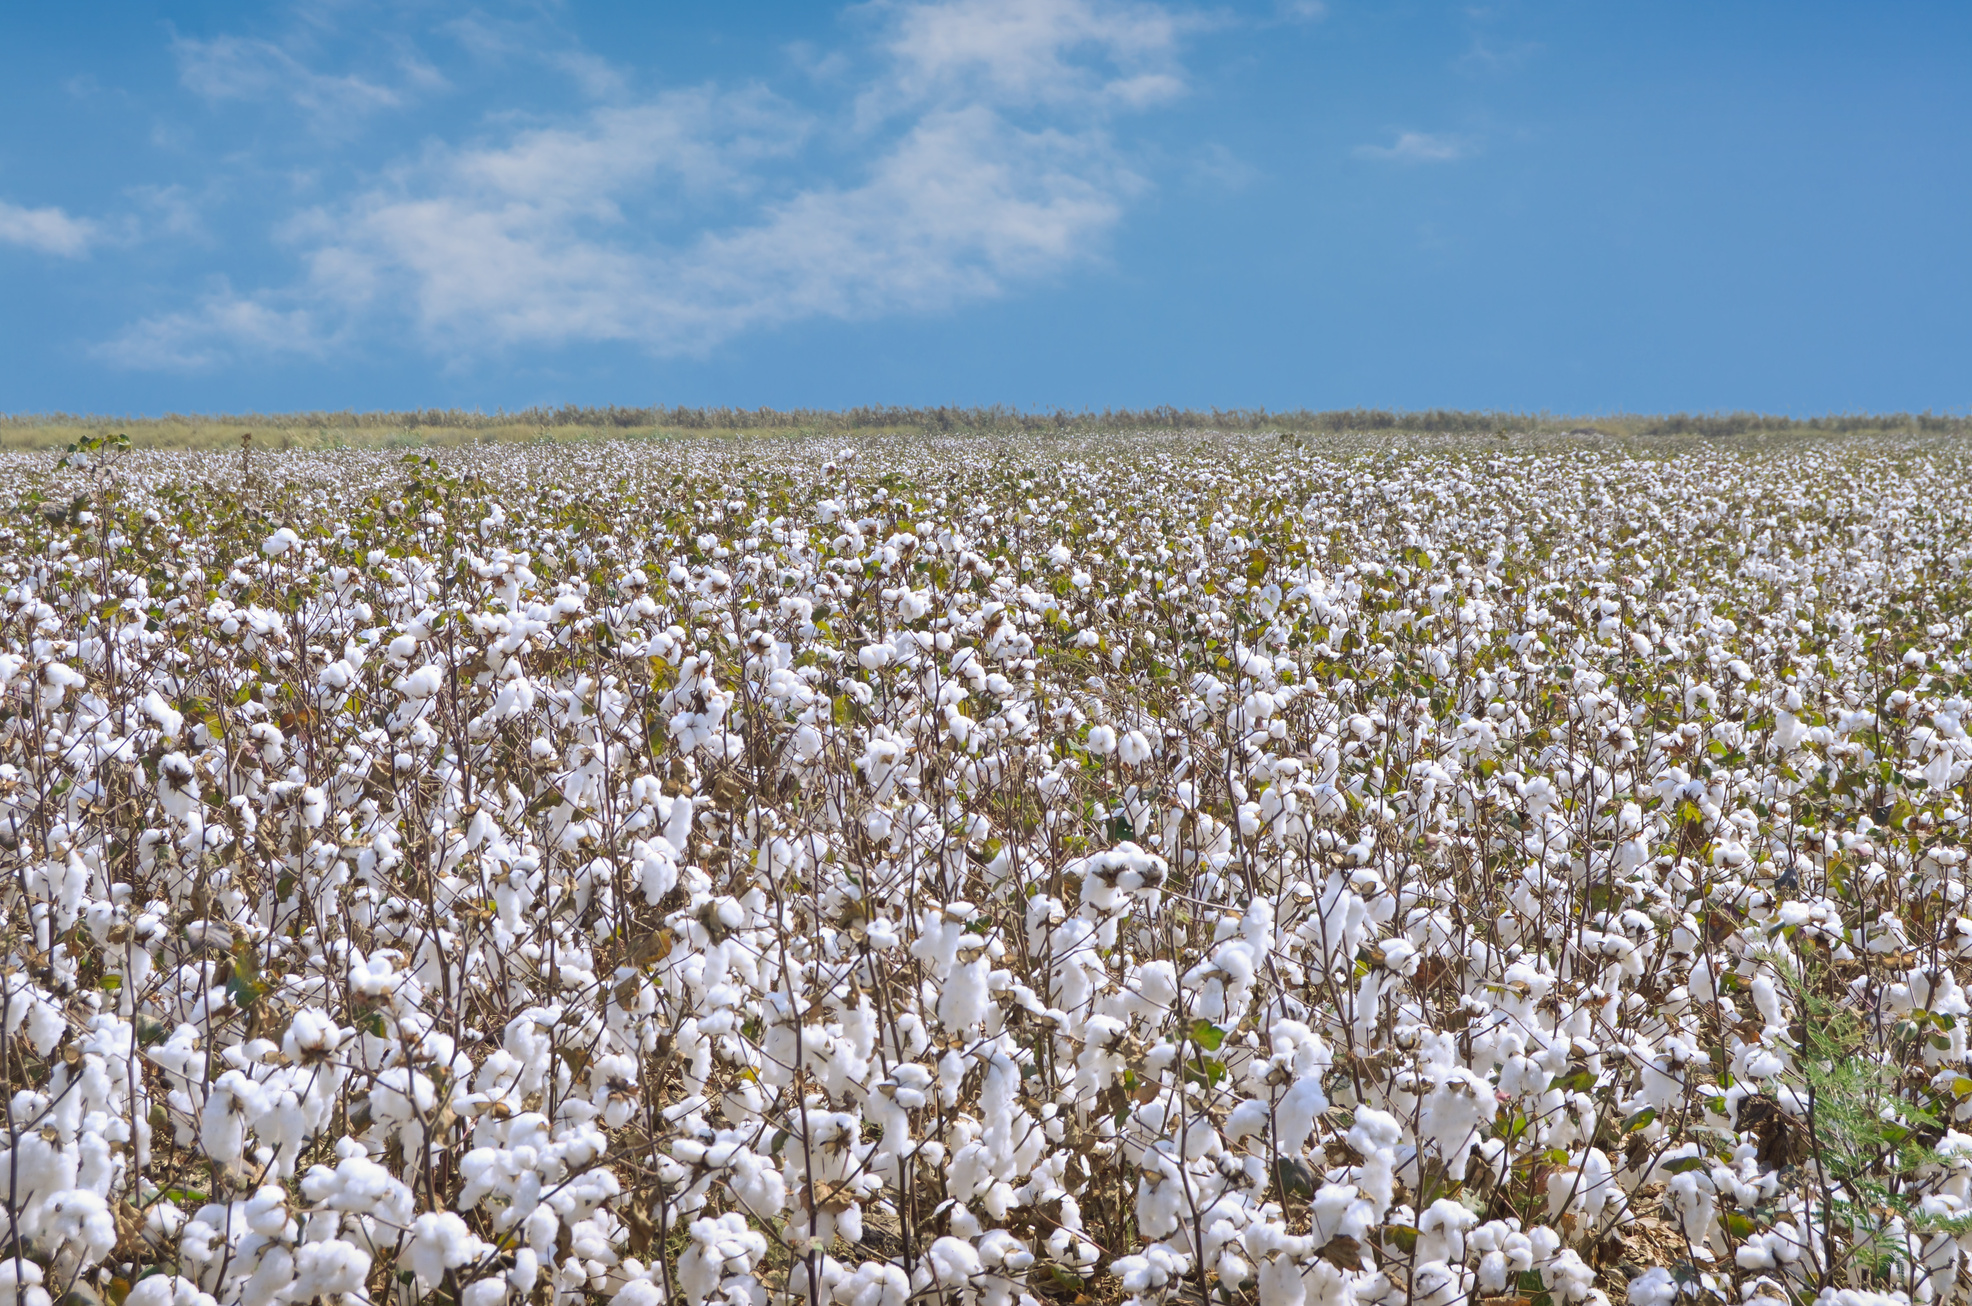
[(244, 984), (1207, 1035), (1684, 1164), (1640, 1120)]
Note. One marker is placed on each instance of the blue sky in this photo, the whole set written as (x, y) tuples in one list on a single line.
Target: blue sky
[(1572, 206)]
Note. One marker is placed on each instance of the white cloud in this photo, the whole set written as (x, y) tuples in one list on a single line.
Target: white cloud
[(221, 328), (497, 40), (1419, 147), (242, 68), (46, 230), (1219, 168), (675, 223), (1497, 57), (1033, 52)]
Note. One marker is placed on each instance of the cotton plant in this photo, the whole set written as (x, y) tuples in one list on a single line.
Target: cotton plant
[(1187, 868)]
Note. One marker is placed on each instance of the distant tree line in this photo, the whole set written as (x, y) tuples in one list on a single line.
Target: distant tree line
[(1002, 418)]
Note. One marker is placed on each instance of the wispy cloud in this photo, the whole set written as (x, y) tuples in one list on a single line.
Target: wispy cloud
[(1488, 56), (218, 329), (1419, 147), (672, 223), (248, 68), (47, 230), (1027, 53), (1217, 167)]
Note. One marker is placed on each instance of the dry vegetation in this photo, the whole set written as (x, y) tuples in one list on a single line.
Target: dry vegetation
[(447, 428), (988, 868)]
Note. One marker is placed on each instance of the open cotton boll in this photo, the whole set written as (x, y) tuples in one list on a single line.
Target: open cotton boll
[(81, 1218), (328, 1268), (56, 681), (169, 720), (167, 1290), (1133, 749), (20, 1284), (280, 543), (422, 683), (441, 1241)]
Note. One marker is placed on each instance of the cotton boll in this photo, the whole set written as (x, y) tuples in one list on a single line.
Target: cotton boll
[(1654, 1287), (234, 1103), (401, 1098), (169, 720), (954, 1264), (422, 683), (327, 1268), (484, 1292), (280, 543), (441, 1241), (963, 1003), (20, 1284), (82, 1219), (56, 681), (1102, 740), (1133, 749), (1296, 1113), (166, 1290)]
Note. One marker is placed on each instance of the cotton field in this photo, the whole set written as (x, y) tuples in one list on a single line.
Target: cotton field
[(1180, 868)]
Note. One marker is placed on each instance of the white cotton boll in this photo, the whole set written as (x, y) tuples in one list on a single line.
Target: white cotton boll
[(1654, 1287), (1248, 1118), (1767, 999), (1133, 749), (1294, 1118), (20, 1284), (234, 1103), (167, 1290), (1102, 740), (57, 680), (403, 647), (484, 1292), (169, 720), (280, 542), (311, 1037), (1567, 1277), (875, 1284), (82, 1218), (1374, 1131), (267, 1212), (422, 683), (325, 1268), (401, 1097), (441, 1241), (954, 1263), (638, 1292)]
